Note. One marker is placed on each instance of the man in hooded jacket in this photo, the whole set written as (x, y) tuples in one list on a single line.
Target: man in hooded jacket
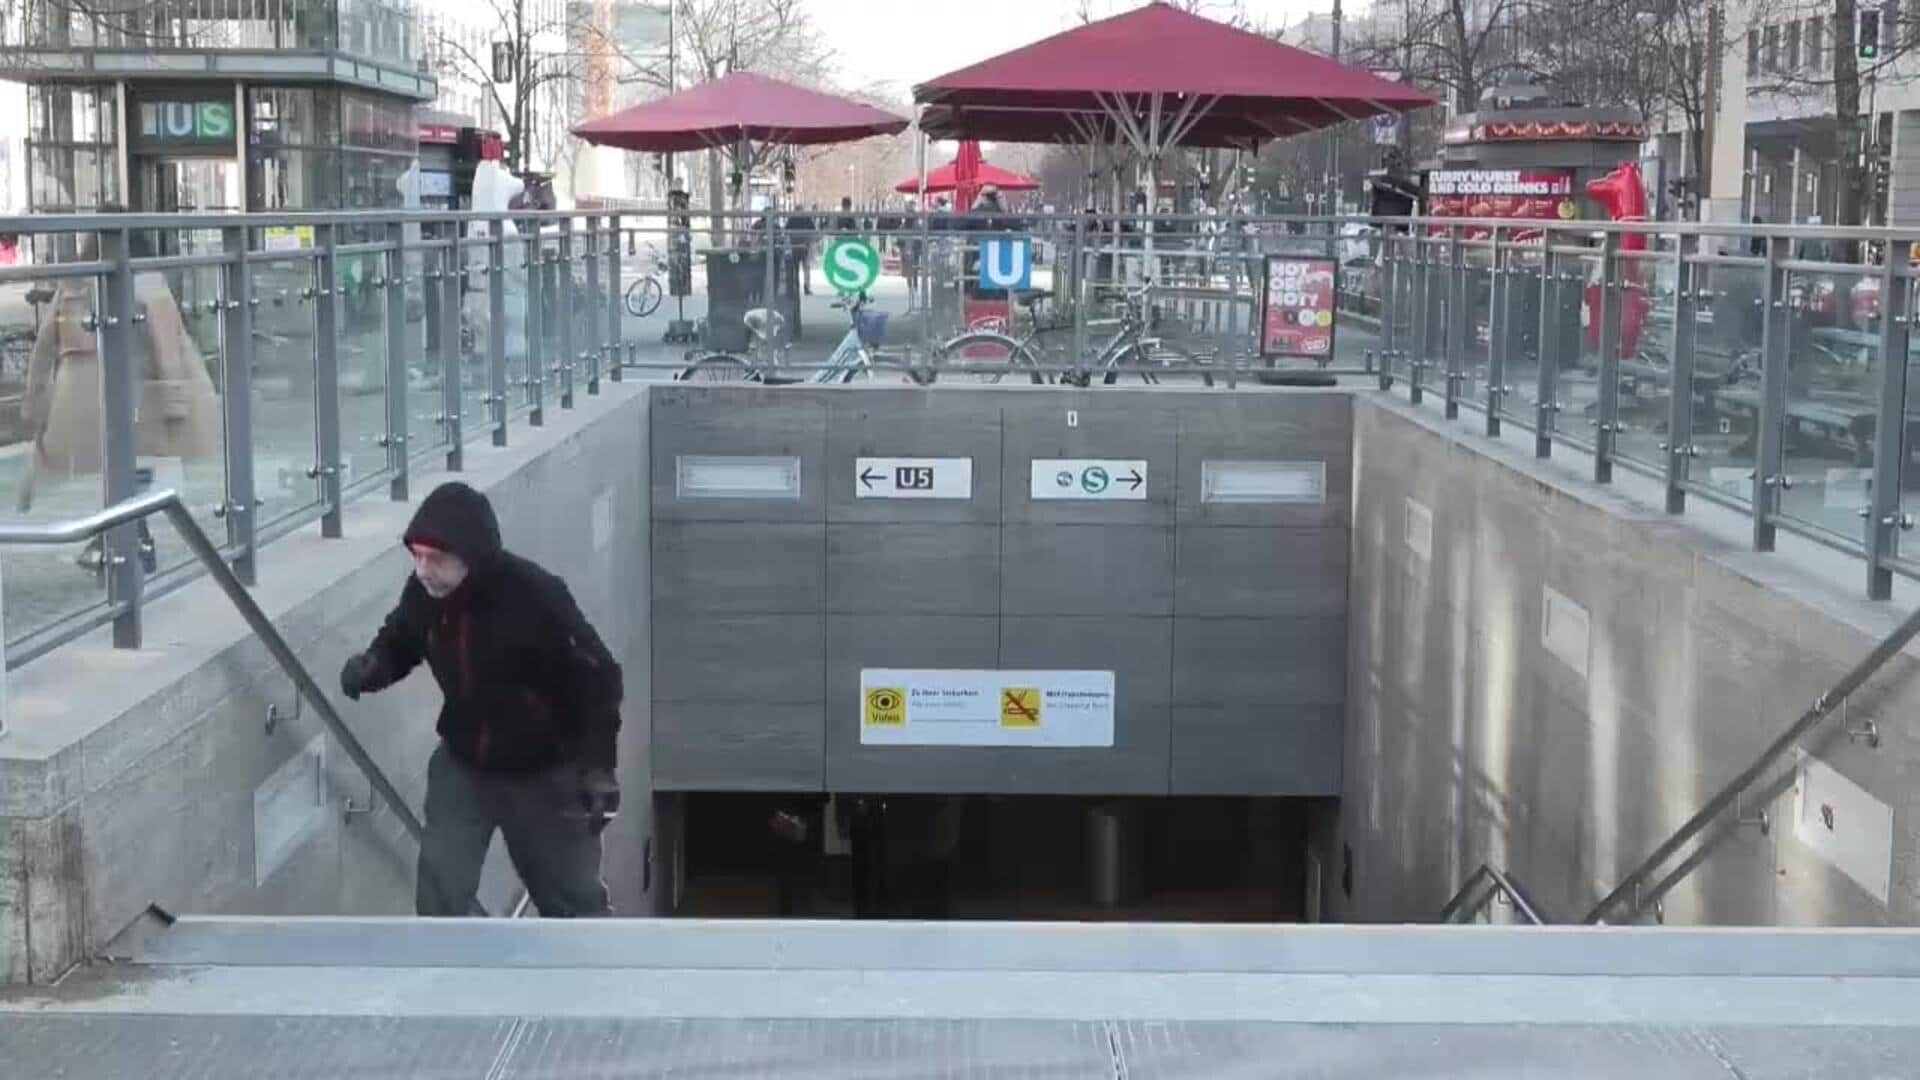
[(530, 718)]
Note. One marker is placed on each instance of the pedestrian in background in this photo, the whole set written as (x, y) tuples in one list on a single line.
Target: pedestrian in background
[(530, 718)]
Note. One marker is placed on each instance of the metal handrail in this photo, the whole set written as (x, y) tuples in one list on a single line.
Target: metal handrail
[(1496, 883), (168, 503), (1823, 707)]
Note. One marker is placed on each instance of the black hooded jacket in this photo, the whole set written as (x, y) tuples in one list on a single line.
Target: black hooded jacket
[(528, 684)]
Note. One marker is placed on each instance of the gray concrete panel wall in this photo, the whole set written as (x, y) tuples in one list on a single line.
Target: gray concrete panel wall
[(1229, 617), (1478, 731), (150, 777)]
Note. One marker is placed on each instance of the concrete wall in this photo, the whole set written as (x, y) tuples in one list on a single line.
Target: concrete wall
[(1225, 624), (1485, 726), (149, 777)]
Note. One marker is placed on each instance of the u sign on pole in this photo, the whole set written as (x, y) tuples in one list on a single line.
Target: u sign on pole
[(1006, 262)]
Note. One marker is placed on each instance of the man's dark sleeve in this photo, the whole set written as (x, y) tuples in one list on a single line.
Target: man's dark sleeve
[(585, 673), (402, 641)]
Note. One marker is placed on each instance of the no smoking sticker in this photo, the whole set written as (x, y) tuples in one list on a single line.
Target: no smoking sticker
[(1020, 707)]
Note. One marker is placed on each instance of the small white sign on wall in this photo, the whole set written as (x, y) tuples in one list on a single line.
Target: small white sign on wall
[(602, 521), (1564, 630), (289, 806), (913, 478), (1419, 529), (1089, 479), (1844, 826), (985, 708)]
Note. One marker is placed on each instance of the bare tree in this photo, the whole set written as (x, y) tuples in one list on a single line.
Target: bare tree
[(1811, 50), (718, 37), (538, 73)]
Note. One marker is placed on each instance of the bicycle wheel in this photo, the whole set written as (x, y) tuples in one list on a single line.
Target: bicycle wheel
[(719, 367), (984, 349), (1165, 364), (643, 297)]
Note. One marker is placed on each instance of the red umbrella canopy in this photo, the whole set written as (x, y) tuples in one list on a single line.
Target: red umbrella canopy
[(742, 107), (1158, 77), (941, 180)]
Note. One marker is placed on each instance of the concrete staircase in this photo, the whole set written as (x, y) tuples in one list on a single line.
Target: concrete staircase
[(327, 997)]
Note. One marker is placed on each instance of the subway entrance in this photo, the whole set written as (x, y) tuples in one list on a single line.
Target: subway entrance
[(1069, 858)]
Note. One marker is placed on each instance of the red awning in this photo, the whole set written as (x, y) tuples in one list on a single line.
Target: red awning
[(943, 179), (742, 107), (1155, 77)]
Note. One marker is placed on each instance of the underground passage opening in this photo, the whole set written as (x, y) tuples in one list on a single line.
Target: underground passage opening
[(991, 857)]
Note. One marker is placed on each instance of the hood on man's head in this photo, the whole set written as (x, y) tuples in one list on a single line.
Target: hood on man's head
[(457, 519)]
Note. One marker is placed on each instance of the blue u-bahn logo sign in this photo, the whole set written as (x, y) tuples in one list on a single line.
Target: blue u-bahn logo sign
[(1006, 262)]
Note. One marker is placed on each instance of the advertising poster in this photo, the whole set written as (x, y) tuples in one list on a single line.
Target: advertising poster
[(1528, 194), (1297, 308)]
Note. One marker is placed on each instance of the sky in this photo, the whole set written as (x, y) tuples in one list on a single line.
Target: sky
[(873, 43)]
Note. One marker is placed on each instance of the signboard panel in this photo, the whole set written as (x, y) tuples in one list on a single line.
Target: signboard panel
[(1297, 307), (985, 708), (1089, 479), (1006, 262), (164, 121), (913, 478), (1528, 194)]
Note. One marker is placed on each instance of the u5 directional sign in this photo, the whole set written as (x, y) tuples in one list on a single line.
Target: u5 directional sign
[(913, 478), (1090, 479)]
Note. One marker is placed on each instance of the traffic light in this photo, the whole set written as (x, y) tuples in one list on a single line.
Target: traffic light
[(1869, 33)]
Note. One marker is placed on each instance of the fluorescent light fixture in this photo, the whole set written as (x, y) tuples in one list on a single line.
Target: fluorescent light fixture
[(1293, 482), (737, 477)]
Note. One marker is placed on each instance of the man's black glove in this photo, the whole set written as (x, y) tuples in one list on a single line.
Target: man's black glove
[(599, 797), (358, 675)]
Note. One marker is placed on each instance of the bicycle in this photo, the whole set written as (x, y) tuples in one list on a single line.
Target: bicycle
[(645, 295), (1131, 350), (857, 355)]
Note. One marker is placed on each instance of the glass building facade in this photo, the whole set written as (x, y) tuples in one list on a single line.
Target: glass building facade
[(259, 105)]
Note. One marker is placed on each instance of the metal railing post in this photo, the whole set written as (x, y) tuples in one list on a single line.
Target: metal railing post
[(497, 331), (1607, 424), (1767, 473), (396, 360), (119, 402), (236, 389), (1079, 285), (1547, 389), (616, 299), (1456, 316), (1389, 307), (1417, 332), (447, 280), (1679, 445), (1885, 521), (535, 382), (397, 375), (1497, 331), (563, 311), (595, 343), (326, 379)]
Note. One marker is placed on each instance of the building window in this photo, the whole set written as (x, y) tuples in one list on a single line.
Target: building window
[(1793, 46), (1770, 49), (1816, 43), (1753, 51)]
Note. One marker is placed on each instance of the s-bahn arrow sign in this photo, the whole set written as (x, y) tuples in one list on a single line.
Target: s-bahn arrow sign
[(1089, 479), (912, 478)]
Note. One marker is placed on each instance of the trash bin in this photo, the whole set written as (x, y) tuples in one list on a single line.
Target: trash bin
[(736, 279)]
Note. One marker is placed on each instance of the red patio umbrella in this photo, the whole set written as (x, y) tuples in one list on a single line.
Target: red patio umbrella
[(1155, 78), (735, 109), (941, 180)]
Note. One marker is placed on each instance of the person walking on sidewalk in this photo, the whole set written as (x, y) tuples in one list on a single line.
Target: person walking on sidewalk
[(530, 720)]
